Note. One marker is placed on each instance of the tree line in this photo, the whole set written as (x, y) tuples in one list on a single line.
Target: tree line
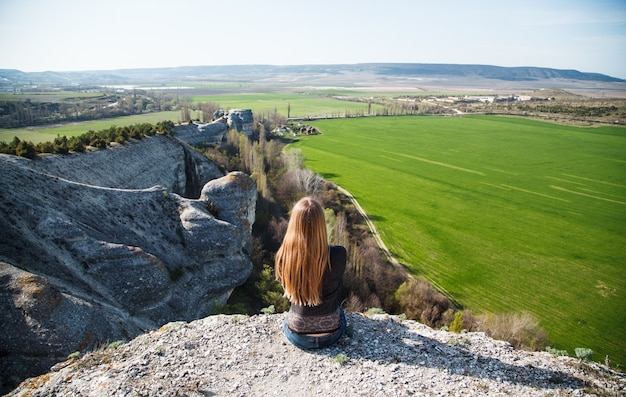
[(581, 110), (28, 112), (91, 139)]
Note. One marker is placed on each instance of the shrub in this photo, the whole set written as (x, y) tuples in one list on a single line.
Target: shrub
[(420, 301), (45, 147), (269, 310), (583, 353), (26, 149), (521, 330), (457, 324), (271, 291), (556, 352), (341, 359), (76, 144), (61, 145), (115, 345), (98, 142), (369, 280)]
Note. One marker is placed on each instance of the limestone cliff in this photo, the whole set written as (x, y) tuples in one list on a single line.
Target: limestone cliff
[(109, 244), (241, 120), (195, 133)]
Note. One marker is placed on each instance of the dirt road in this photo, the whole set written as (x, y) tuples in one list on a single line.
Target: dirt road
[(375, 234)]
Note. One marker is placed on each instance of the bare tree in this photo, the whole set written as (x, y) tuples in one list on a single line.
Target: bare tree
[(293, 159), (309, 182), (185, 113)]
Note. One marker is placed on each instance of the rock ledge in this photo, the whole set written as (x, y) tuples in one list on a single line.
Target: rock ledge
[(384, 356)]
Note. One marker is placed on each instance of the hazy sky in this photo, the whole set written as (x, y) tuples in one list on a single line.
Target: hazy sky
[(73, 35)]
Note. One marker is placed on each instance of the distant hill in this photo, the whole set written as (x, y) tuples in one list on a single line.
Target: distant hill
[(490, 72), (11, 77)]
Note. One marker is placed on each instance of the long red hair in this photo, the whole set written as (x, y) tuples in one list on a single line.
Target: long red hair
[(304, 256)]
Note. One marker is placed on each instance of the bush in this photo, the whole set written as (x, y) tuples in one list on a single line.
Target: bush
[(45, 147), (269, 310), (26, 149), (583, 353), (457, 324), (421, 302), (556, 352), (76, 144), (271, 291), (341, 359), (100, 140), (60, 145), (374, 310), (6, 148), (520, 330)]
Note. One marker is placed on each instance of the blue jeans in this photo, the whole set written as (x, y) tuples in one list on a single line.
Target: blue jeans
[(315, 342)]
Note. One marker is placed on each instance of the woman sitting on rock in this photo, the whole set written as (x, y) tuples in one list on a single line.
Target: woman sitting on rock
[(310, 272)]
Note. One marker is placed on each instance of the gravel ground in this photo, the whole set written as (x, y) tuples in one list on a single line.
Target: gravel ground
[(382, 356)]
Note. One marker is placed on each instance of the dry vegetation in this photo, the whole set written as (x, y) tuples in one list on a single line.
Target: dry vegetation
[(553, 105)]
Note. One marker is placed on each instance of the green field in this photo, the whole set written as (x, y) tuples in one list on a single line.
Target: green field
[(48, 133), (505, 214), (301, 104)]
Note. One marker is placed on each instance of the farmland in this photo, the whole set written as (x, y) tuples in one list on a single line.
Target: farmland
[(49, 132), (303, 104), (504, 214)]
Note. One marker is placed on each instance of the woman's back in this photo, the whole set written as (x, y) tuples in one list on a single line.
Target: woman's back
[(310, 272), (325, 316)]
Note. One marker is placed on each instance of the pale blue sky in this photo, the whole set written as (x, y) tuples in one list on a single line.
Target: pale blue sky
[(73, 35)]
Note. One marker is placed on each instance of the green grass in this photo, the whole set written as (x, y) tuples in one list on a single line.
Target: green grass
[(505, 214), (302, 104), (48, 133)]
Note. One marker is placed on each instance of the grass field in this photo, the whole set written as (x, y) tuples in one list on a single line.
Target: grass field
[(505, 214), (48, 133), (301, 104)]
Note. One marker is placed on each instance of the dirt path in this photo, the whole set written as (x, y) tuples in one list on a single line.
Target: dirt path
[(386, 251), (375, 234)]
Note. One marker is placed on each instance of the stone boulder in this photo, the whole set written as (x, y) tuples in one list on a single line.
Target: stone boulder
[(226, 195), (241, 120), (103, 246)]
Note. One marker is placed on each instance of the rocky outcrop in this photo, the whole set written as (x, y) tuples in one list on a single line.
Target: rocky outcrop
[(157, 160), (213, 133), (381, 355), (241, 120), (106, 245), (197, 133)]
